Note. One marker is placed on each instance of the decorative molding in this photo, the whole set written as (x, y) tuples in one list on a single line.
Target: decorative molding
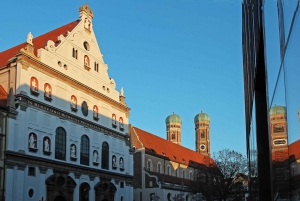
[(10, 165), (21, 166), (27, 101), (36, 64), (43, 169), (77, 175)]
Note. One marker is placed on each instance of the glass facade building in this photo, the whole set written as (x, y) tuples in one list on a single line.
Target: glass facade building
[(271, 53)]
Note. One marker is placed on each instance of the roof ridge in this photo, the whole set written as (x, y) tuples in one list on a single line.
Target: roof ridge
[(137, 137)]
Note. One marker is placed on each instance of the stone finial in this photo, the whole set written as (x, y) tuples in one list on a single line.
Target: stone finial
[(122, 92), (85, 10), (29, 38)]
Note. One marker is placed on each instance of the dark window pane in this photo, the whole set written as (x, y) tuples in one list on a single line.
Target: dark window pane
[(60, 144), (85, 150)]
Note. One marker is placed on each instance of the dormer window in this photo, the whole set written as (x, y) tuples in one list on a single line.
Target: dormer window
[(96, 67), (75, 53)]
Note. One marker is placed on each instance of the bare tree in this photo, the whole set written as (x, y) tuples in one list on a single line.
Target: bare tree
[(231, 163)]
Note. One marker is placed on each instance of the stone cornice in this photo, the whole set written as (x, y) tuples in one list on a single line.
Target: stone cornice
[(20, 158), (24, 101), (27, 59)]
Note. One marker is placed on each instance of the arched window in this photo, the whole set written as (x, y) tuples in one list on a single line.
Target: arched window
[(158, 167), (84, 192), (149, 165), (173, 136), (168, 170), (183, 174), (202, 134), (105, 156), (191, 176), (60, 144), (84, 150)]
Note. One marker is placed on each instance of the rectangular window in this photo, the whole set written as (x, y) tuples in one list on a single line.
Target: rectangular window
[(31, 171), (122, 184), (75, 53), (96, 67)]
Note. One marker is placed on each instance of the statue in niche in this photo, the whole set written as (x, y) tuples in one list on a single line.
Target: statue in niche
[(48, 91), (33, 85), (121, 122), (114, 119), (32, 141), (73, 102), (46, 145), (121, 163), (86, 61), (73, 151), (29, 38), (122, 92), (95, 112), (114, 161), (95, 157)]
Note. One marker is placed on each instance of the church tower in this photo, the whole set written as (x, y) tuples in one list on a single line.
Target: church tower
[(173, 125), (278, 124), (202, 127)]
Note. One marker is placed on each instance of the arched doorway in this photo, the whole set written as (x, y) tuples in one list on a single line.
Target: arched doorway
[(60, 186), (60, 198), (105, 190)]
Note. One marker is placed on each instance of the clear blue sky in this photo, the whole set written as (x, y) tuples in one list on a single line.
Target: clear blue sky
[(182, 56)]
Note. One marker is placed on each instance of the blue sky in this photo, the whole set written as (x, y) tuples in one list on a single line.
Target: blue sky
[(181, 56)]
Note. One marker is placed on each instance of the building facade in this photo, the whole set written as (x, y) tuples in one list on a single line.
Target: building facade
[(271, 130), (68, 138), (164, 168)]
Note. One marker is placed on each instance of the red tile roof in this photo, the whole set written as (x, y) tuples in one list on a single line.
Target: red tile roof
[(164, 148), (294, 150), (38, 42)]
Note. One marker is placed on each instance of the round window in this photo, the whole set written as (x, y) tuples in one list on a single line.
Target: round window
[(84, 108), (30, 193)]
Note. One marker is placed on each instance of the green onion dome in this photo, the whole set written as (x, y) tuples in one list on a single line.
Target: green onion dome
[(173, 118), (278, 110), (201, 117)]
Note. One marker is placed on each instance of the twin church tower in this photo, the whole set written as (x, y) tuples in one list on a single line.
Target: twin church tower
[(202, 127)]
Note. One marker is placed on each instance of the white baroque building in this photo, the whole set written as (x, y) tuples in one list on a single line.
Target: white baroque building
[(67, 128)]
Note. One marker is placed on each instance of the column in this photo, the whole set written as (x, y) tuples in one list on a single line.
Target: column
[(19, 186), (42, 184), (92, 190), (76, 190), (9, 183)]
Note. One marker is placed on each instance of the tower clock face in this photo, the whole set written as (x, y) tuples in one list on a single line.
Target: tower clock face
[(202, 147)]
